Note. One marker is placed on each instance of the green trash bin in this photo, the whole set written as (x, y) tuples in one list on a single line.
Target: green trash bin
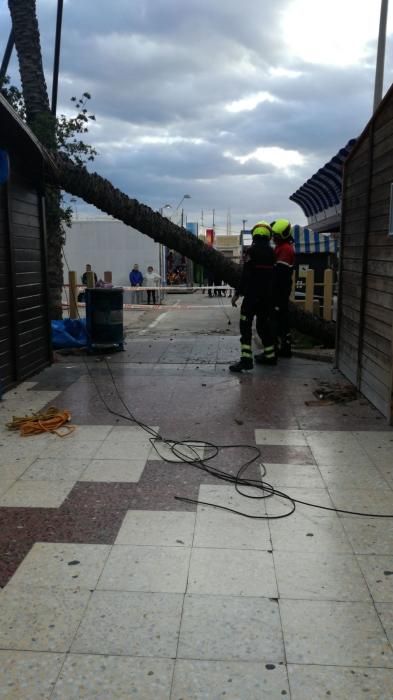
[(104, 318)]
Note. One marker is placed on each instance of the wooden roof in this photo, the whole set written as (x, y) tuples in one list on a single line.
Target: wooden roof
[(17, 136)]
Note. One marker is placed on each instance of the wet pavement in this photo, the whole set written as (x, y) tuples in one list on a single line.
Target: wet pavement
[(114, 588)]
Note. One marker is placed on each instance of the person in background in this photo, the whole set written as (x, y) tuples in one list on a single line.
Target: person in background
[(136, 277), (205, 281), (217, 283), (84, 276), (256, 286), (151, 279), (82, 295), (210, 282)]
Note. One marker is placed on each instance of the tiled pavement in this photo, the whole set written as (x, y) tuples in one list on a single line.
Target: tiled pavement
[(113, 589)]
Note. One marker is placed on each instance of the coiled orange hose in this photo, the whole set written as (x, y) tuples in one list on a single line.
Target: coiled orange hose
[(49, 421)]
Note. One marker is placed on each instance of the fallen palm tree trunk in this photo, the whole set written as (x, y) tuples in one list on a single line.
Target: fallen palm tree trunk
[(93, 188), (314, 326), (96, 190)]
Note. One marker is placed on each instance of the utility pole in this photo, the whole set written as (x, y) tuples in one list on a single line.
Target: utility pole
[(214, 211), (7, 56), (244, 224), (56, 62), (379, 71)]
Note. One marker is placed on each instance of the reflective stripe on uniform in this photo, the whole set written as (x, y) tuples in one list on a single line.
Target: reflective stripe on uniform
[(243, 318), (270, 351), (246, 353), (245, 347)]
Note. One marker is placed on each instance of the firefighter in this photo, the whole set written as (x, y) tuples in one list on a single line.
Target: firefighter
[(285, 260), (256, 286)]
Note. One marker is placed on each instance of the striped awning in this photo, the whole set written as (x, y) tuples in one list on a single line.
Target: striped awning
[(308, 241), (323, 189)]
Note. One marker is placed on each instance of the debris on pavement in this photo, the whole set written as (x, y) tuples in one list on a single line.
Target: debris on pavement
[(330, 394)]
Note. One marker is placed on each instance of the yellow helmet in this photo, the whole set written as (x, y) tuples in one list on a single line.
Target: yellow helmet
[(262, 228), (281, 228)]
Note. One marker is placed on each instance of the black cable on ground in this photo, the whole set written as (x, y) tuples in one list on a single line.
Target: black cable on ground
[(223, 308), (266, 489)]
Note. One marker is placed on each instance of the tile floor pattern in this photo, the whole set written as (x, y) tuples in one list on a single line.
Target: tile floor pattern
[(138, 599), (91, 454)]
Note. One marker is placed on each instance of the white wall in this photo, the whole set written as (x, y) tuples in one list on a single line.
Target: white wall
[(107, 244)]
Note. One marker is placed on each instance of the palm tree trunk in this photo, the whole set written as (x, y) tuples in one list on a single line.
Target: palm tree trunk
[(91, 187), (27, 44), (43, 124), (94, 189)]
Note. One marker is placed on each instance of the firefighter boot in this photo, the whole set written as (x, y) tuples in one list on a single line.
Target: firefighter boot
[(245, 363), (285, 349), (262, 359), (268, 357)]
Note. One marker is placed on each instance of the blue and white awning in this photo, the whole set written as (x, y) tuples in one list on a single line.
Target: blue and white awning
[(323, 189), (308, 241)]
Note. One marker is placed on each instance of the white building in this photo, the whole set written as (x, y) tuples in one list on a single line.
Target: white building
[(108, 244)]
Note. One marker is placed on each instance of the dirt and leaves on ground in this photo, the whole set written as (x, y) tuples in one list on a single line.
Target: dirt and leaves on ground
[(328, 394)]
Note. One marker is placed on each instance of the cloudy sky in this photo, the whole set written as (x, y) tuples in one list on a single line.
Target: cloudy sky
[(234, 102)]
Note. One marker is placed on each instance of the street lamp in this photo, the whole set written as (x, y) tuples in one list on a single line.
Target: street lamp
[(185, 196), (75, 201), (166, 206), (161, 249)]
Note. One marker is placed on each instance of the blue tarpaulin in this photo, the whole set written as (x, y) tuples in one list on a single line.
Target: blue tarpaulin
[(69, 333), (4, 166)]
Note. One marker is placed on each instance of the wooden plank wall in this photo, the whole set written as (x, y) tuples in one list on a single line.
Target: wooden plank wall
[(7, 351), (376, 356), (30, 283), (24, 329), (366, 325), (355, 189)]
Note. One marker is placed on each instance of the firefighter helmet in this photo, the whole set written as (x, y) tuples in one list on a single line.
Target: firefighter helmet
[(281, 228), (262, 228)]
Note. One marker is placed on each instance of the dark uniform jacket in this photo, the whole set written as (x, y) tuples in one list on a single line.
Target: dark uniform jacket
[(257, 274)]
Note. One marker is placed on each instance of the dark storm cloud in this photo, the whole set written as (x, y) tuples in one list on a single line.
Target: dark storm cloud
[(162, 74), (318, 112), (189, 162)]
